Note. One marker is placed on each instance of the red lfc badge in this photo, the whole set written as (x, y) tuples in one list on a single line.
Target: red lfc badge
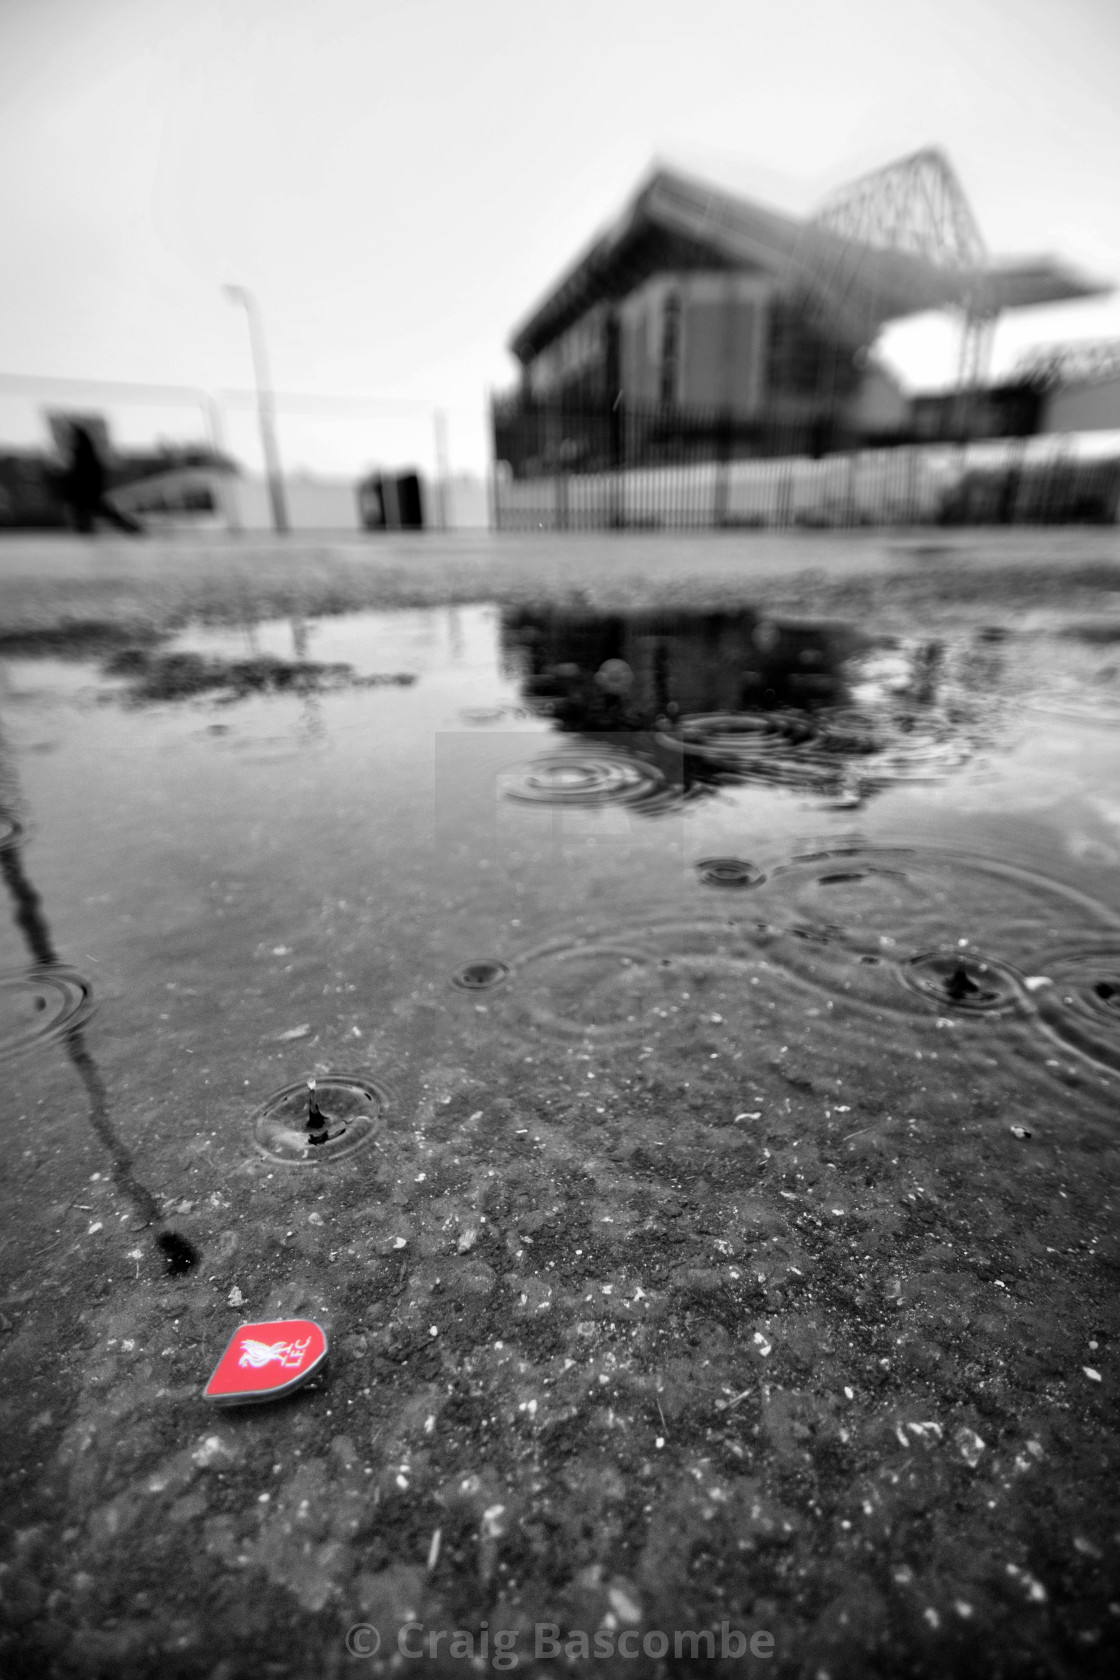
[(264, 1361)]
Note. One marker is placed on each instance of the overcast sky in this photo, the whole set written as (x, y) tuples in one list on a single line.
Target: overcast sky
[(400, 182)]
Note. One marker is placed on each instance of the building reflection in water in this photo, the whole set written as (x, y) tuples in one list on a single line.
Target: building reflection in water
[(717, 698)]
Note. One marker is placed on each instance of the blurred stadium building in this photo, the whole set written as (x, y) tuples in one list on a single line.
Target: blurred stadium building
[(703, 327)]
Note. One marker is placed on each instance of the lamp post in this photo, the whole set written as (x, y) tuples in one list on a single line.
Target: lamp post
[(265, 404)]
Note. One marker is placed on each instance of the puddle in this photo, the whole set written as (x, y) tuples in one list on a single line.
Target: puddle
[(690, 1015)]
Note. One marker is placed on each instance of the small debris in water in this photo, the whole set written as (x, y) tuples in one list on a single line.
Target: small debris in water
[(235, 1297), (1093, 1376), (293, 1032), (1019, 1132), (970, 1446), (1035, 1590)]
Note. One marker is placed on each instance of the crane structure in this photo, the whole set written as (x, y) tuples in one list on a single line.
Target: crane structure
[(915, 210)]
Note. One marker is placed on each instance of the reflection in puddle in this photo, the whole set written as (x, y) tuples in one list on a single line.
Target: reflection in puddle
[(60, 1002), (816, 707)]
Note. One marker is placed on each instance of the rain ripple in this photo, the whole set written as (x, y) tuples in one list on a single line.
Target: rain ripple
[(39, 1005)]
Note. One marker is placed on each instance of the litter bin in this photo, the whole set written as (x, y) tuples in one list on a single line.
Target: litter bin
[(410, 509), (391, 502)]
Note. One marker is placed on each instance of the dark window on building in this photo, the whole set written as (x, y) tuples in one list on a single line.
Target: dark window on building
[(670, 348)]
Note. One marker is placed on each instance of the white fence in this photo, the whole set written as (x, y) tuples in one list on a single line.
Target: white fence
[(1020, 480)]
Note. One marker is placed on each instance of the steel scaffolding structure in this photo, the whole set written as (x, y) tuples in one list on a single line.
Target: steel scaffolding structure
[(916, 209)]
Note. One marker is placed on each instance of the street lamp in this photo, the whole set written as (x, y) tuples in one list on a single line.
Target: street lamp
[(265, 404)]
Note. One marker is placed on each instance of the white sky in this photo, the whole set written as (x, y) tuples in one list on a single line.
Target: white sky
[(400, 180)]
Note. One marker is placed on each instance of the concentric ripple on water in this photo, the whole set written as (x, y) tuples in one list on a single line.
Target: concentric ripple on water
[(620, 988), (925, 898), (961, 932), (964, 980), (307, 1124), (853, 939), (763, 746), (481, 975), (729, 872), (826, 750), (585, 778), (1081, 1004), (40, 1004)]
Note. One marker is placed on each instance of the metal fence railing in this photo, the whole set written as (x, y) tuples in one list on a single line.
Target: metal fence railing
[(568, 467)]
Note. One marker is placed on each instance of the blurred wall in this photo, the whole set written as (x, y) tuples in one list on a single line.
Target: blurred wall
[(1083, 407)]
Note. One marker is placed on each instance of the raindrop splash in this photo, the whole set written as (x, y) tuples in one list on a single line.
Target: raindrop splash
[(978, 985), (481, 975), (729, 872), (319, 1120)]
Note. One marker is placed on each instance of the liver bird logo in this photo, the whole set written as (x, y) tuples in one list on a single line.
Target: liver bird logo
[(258, 1354)]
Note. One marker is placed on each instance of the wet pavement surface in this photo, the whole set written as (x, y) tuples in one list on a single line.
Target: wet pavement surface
[(707, 1186)]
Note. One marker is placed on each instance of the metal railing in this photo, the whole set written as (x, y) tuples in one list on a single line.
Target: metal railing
[(590, 467)]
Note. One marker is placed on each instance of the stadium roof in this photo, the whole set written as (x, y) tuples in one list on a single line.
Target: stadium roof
[(676, 222)]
